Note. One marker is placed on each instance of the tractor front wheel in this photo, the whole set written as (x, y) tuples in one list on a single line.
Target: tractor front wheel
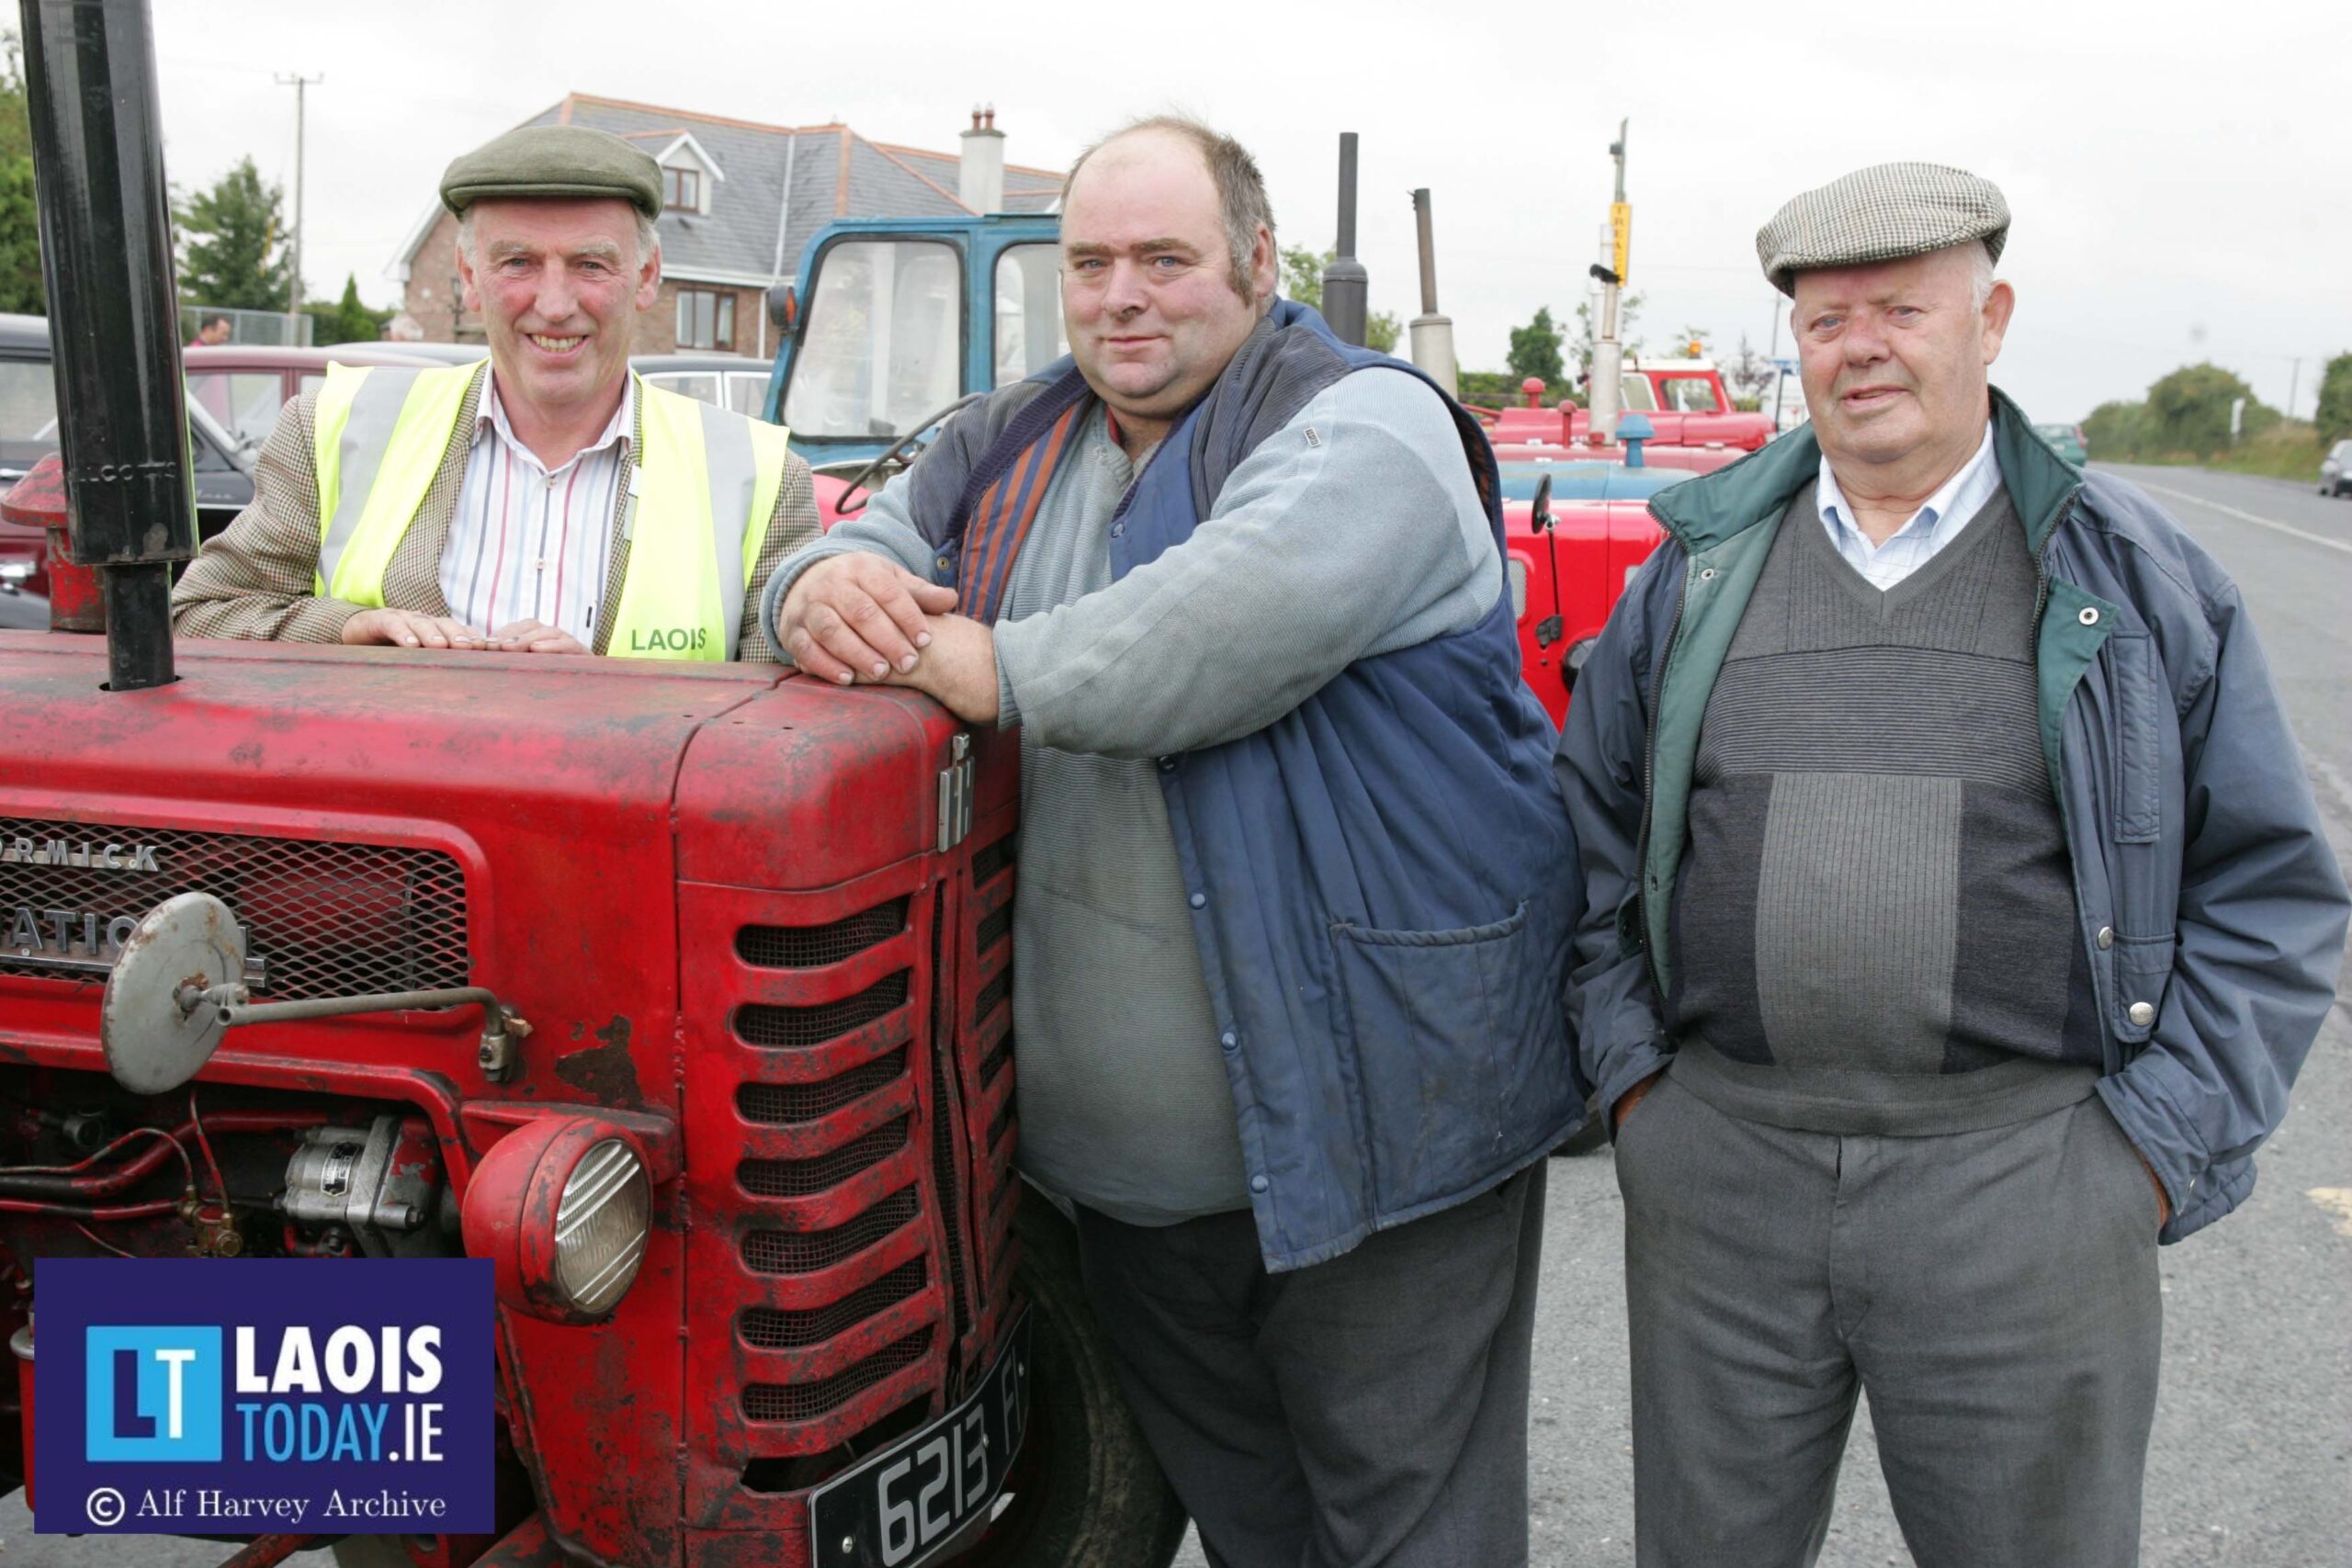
[(1085, 1492)]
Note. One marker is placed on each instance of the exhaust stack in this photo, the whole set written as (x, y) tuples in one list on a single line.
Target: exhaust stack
[(1346, 285), (106, 243), (1432, 334)]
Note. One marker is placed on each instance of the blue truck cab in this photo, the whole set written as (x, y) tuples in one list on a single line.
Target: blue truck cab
[(890, 321)]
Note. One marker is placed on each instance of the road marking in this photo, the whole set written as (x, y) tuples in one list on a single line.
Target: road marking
[(2337, 1201), (2246, 517)]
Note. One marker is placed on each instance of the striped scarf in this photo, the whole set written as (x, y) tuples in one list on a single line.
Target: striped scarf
[(1002, 497)]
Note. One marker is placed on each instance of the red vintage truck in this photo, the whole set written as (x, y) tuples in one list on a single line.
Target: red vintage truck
[(683, 994)]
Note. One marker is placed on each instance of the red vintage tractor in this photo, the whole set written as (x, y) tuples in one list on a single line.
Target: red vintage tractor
[(681, 993)]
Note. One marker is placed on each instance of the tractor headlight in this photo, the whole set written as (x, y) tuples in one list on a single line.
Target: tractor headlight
[(563, 1208), (600, 1224)]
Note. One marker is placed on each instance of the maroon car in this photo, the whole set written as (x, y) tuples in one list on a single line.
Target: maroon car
[(244, 385)]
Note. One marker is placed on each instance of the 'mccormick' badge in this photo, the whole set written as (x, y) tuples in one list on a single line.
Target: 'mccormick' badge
[(22, 851)]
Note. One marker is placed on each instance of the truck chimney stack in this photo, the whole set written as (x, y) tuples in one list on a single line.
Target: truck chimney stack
[(1345, 282), (1432, 334), (114, 322)]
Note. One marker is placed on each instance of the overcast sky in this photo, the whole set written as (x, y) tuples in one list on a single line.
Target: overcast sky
[(2180, 174)]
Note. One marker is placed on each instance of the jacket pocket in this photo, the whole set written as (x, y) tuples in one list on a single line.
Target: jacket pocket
[(1454, 1047), (2137, 712)]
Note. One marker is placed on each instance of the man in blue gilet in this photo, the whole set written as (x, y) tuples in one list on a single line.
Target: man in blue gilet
[(1296, 880)]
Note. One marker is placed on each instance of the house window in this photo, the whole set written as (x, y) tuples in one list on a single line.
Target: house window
[(683, 193), (705, 319)]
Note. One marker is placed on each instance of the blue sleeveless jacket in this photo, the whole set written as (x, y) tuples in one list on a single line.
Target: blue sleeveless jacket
[(1383, 882)]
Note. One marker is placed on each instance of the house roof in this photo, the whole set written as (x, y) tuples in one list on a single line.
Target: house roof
[(834, 172)]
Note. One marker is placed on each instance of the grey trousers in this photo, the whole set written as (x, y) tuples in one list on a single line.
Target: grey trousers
[(1370, 1412), (1995, 1292)]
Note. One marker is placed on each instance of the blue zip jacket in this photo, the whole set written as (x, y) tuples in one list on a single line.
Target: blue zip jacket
[(1381, 880), (2211, 905)]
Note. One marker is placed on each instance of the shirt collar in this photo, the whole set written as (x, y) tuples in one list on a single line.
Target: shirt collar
[(618, 431), (1970, 487)]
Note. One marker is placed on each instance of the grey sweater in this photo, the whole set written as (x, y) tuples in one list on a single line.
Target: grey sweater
[(1353, 531)]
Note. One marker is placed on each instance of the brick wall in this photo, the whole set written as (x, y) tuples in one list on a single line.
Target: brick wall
[(436, 299)]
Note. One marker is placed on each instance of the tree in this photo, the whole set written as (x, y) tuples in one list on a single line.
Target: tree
[(1535, 349), (1629, 313), (20, 283), (1692, 343), (231, 244), (1749, 373), (1302, 281), (346, 320), (2334, 415), (2118, 430), (2189, 410)]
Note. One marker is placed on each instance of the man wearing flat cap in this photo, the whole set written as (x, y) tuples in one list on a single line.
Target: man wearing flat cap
[(1958, 918), (549, 502)]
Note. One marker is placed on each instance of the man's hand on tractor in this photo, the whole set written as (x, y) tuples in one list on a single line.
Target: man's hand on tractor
[(958, 668), (859, 617), (407, 628), (536, 636)]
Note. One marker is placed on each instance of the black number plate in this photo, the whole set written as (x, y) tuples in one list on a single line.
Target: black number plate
[(898, 1508)]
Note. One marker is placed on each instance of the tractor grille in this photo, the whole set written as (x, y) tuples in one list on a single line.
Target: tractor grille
[(989, 859), (813, 947), (807, 1401), (992, 996), (801, 1177), (806, 1252), (994, 930), (771, 1328), (784, 1104), (790, 1027), (323, 919)]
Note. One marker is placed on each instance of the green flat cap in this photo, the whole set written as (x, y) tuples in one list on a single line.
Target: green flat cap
[(1879, 214), (554, 160)]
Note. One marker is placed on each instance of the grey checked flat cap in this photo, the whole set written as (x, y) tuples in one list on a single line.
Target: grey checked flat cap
[(1882, 213), (554, 160)]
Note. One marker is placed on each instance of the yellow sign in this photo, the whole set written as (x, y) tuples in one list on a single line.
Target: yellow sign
[(1620, 229)]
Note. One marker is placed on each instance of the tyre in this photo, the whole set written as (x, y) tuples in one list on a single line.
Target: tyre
[(1085, 1492)]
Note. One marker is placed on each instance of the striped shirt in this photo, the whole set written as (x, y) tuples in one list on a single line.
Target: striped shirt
[(531, 544), (1933, 526)]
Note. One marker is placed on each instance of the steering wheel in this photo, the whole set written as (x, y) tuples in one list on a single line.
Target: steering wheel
[(904, 444)]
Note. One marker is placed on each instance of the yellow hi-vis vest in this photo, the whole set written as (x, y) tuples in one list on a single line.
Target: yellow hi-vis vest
[(703, 485)]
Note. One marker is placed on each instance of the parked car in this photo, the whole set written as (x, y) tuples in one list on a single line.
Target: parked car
[(244, 385), (447, 352), (729, 380), (2335, 472), (2067, 441), (222, 463)]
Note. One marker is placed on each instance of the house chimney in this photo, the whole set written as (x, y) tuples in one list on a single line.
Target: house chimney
[(979, 170)]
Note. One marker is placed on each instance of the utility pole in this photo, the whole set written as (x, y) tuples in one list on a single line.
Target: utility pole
[(1608, 360), (301, 84), (2294, 385)]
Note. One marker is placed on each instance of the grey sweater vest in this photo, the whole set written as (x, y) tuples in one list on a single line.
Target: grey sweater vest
[(1874, 929)]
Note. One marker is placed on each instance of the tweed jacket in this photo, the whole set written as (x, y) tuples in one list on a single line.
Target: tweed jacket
[(256, 579)]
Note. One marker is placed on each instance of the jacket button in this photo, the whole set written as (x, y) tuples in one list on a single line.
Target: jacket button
[(2088, 615), (1229, 1039), (2142, 1015), (1257, 1184), (1198, 900), (1168, 764), (944, 563), (2106, 938)]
